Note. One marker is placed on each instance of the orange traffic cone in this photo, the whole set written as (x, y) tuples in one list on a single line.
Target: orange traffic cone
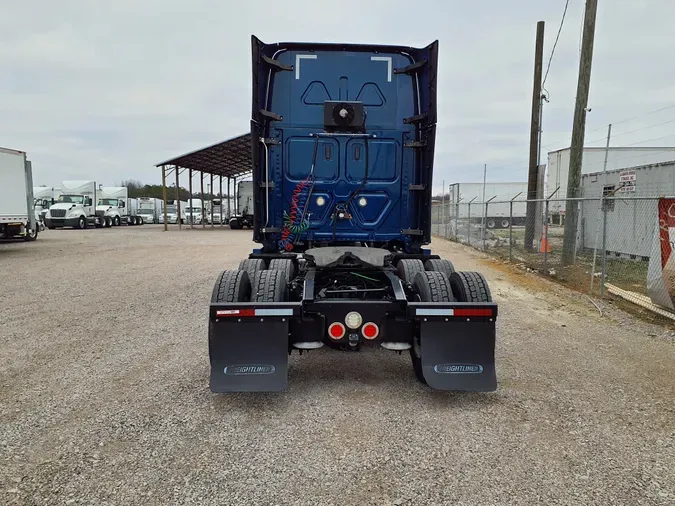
[(544, 245)]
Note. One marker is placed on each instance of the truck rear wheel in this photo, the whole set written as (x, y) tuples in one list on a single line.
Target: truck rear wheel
[(232, 286), (31, 234), (491, 223), (431, 286), (284, 265), (408, 268), (440, 265), (470, 287), (252, 266), (269, 286)]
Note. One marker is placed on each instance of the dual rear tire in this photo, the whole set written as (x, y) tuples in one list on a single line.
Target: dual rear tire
[(437, 281)]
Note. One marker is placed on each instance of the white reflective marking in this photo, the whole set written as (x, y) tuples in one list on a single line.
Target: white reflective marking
[(389, 64), (226, 312), (307, 345), (434, 312), (274, 312), (396, 346), (299, 57)]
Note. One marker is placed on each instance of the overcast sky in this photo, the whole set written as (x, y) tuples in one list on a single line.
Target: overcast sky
[(104, 90)]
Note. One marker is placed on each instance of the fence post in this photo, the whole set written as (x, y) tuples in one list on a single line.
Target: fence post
[(457, 222), (468, 226), (511, 231), (485, 226), (546, 235), (604, 246)]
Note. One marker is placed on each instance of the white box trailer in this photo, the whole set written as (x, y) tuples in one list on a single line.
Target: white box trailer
[(593, 161), (75, 207), (17, 211), (498, 196), (631, 215)]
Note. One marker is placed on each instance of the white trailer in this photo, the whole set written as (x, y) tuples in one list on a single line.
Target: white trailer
[(150, 208), (75, 207), (594, 160), (17, 211), (243, 216), (498, 197)]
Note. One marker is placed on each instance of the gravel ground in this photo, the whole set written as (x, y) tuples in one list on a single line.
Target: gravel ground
[(104, 394)]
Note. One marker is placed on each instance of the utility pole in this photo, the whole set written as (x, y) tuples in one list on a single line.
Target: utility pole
[(534, 138), (578, 131)]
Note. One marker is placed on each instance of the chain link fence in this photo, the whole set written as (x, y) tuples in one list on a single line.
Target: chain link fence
[(610, 245)]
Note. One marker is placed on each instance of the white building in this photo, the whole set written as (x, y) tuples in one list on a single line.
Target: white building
[(593, 161)]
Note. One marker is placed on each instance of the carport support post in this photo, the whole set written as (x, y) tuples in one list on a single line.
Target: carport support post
[(164, 195), (221, 201), (229, 200), (192, 220), (211, 199), (201, 182), (177, 199)]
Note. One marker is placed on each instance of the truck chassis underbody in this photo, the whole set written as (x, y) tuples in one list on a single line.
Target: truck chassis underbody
[(347, 298)]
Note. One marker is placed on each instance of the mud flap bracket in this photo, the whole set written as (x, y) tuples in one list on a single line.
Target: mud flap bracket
[(249, 354), (458, 355)]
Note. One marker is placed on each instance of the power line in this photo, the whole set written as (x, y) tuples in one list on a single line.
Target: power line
[(548, 67)]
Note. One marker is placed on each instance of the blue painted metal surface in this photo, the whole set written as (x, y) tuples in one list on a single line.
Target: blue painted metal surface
[(292, 81)]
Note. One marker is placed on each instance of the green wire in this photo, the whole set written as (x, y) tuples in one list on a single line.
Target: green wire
[(362, 276)]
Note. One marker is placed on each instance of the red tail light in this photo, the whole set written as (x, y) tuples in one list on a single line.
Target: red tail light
[(336, 330), (370, 330)]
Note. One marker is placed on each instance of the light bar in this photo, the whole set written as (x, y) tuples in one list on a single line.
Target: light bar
[(221, 313)]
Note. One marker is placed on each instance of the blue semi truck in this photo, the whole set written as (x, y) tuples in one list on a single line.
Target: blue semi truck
[(343, 147)]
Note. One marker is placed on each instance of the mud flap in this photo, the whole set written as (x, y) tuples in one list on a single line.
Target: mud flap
[(459, 355), (250, 355)]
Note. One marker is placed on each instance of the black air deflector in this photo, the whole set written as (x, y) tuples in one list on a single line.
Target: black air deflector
[(344, 116)]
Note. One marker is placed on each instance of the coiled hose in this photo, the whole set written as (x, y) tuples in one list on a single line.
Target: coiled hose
[(294, 221)]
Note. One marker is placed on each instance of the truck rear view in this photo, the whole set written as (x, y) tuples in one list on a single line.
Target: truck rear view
[(343, 145)]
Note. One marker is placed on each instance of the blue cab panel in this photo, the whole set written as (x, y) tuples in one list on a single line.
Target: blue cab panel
[(343, 144)]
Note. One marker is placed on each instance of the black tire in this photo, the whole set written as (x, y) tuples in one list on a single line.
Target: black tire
[(491, 223), (234, 225), (139, 220), (232, 286), (252, 266), (269, 286), (505, 223), (284, 265), (31, 234), (440, 265), (408, 268), (116, 221), (470, 287), (433, 286), (82, 223)]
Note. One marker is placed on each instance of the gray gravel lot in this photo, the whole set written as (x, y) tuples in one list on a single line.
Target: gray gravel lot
[(104, 394)]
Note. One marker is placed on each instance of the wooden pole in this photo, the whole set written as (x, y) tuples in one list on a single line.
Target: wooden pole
[(534, 138), (578, 131)]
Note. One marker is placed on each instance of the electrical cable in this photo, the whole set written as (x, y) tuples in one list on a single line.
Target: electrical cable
[(555, 43)]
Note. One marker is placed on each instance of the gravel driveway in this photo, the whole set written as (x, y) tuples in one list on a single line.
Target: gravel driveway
[(104, 394)]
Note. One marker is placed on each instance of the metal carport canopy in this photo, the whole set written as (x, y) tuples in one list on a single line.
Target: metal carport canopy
[(230, 159)]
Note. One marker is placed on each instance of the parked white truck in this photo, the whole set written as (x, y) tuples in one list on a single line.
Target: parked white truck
[(195, 212), (172, 212), (44, 197), (17, 210), (150, 208), (75, 207), (116, 208), (243, 216)]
